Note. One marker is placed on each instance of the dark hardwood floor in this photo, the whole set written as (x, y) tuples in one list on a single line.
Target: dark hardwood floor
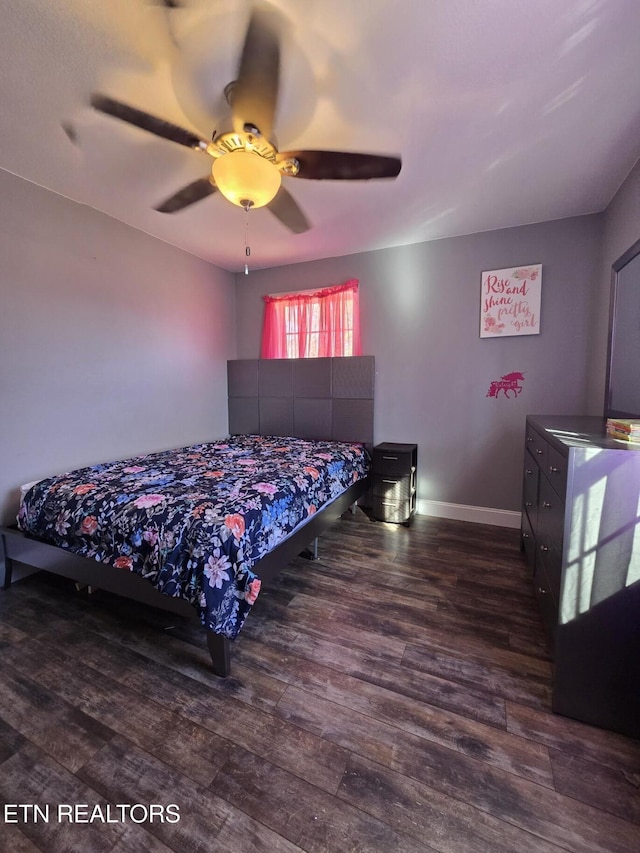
[(392, 696)]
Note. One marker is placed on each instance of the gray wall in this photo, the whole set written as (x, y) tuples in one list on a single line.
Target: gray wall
[(420, 319), (114, 343), (111, 342)]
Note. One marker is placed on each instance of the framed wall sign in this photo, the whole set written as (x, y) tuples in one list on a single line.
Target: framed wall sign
[(510, 302)]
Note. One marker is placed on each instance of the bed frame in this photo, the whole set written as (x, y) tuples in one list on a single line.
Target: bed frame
[(324, 398)]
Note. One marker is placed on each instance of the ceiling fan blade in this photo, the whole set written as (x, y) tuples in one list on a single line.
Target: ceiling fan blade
[(286, 209), (254, 94), (145, 121), (343, 165), (190, 194)]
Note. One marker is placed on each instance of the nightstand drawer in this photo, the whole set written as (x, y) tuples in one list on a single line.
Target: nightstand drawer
[(393, 511), (392, 462), (394, 488)]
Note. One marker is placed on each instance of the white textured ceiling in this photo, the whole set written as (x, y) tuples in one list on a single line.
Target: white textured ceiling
[(505, 112)]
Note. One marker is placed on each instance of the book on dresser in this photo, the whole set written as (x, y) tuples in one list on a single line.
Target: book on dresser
[(626, 429)]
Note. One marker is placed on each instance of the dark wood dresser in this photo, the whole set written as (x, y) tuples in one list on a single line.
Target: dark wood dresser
[(581, 535), (394, 481)]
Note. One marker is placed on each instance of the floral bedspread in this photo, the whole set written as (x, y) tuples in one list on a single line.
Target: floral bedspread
[(194, 521)]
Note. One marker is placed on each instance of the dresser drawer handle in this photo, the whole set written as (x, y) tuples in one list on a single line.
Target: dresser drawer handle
[(395, 458), (529, 503), (529, 439), (546, 504), (539, 452), (529, 472), (525, 535), (393, 482), (542, 591), (553, 470), (544, 548)]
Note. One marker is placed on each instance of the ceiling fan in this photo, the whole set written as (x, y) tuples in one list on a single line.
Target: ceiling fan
[(247, 166)]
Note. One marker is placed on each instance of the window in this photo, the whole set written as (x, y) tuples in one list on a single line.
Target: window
[(311, 324)]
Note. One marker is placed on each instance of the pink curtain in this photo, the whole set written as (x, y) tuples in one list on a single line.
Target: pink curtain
[(310, 325)]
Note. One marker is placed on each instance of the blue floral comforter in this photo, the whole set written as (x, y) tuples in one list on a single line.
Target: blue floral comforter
[(194, 521)]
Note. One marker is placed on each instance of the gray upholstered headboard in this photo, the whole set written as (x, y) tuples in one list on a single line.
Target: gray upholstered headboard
[(315, 398)]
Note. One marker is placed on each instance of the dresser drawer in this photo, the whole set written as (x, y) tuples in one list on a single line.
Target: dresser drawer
[(537, 446), (550, 534), (528, 540), (546, 602), (531, 476), (556, 470)]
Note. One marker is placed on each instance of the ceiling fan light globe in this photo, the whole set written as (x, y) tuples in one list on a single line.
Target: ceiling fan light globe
[(246, 177)]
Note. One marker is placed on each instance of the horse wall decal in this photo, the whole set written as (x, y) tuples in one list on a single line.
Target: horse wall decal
[(509, 385)]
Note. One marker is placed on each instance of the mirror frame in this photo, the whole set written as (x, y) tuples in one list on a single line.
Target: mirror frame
[(623, 260)]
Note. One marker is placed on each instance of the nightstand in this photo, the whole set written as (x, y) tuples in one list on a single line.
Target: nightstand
[(394, 481)]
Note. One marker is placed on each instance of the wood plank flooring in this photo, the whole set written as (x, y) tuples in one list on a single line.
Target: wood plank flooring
[(393, 695)]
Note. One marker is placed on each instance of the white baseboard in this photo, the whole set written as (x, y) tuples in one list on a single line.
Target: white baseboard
[(477, 514)]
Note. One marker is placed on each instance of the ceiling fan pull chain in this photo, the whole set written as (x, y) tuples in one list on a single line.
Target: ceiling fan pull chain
[(247, 247)]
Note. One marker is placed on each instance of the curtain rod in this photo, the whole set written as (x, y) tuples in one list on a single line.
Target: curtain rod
[(345, 284)]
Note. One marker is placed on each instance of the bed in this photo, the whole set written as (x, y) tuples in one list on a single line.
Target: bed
[(198, 529)]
